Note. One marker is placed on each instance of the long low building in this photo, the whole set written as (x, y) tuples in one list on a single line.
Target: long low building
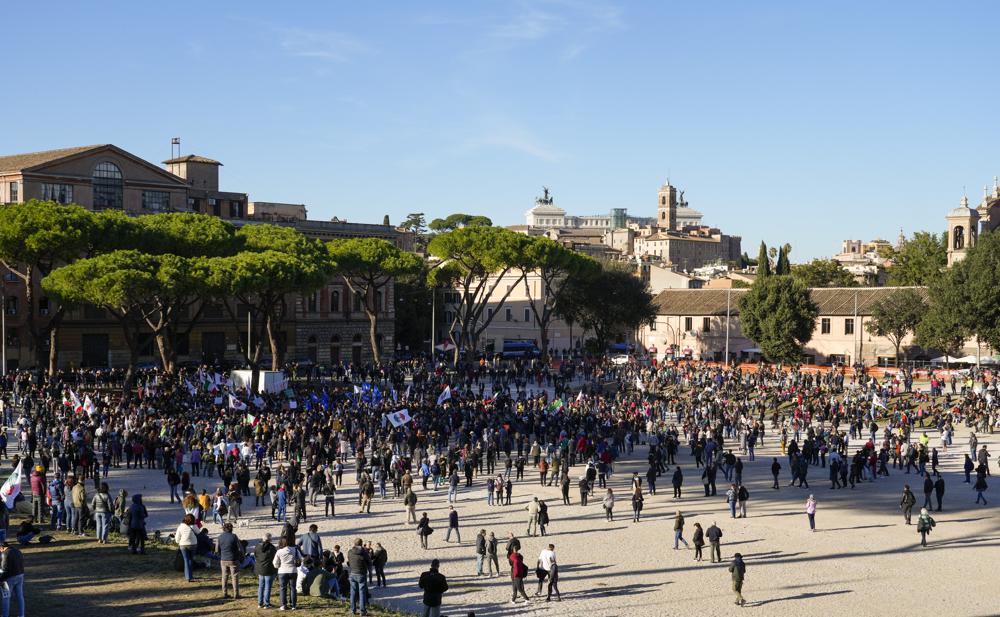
[(703, 323)]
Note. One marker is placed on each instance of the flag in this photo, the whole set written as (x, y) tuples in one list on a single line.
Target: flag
[(407, 395), (235, 403), (88, 405), (555, 406), (190, 387), (877, 402), (292, 404), (12, 487), (638, 384), (579, 397), (75, 402), (258, 402), (251, 419), (444, 396), (399, 418)]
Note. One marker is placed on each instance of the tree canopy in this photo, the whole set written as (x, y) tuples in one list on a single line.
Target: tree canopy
[(896, 315), (921, 260), (763, 261), (779, 315), (459, 220), (823, 273), (610, 302)]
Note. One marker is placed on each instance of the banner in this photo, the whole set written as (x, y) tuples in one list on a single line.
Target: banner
[(12, 487), (399, 418)]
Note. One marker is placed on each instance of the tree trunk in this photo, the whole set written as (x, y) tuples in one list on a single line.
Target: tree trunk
[(373, 334), (272, 341), (53, 350), (165, 344)]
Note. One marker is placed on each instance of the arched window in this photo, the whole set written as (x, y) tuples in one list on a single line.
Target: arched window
[(311, 354), (334, 348), (378, 301), (107, 183), (334, 301), (958, 238)]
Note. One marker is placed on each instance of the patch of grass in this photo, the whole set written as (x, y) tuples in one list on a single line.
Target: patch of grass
[(78, 577)]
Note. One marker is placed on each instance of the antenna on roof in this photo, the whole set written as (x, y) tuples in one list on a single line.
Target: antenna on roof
[(175, 144)]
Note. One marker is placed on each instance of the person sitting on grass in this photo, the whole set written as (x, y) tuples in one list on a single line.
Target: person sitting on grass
[(26, 532)]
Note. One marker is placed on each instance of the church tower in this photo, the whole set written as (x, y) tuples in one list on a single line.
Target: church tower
[(666, 208), (963, 228)]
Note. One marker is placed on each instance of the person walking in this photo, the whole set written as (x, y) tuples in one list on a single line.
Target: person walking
[(679, 531), (434, 585), (742, 496), (924, 525), (811, 512), (775, 470), (453, 525), (907, 502), (731, 499), (739, 572), (358, 565), (380, 557), (518, 572), (637, 500), (677, 481), (187, 542), (287, 560), (546, 559), (980, 487), (698, 539), (609, 505), (12, 575), (230, 552), (410, 501), (714, 538), (263, 567)]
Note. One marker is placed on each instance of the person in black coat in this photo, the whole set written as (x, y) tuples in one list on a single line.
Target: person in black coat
[(775, 470), (714, 538), (928, 489), (677, 481), (939, 491), (434, 585)]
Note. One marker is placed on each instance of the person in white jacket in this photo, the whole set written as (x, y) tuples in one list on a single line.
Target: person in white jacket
[(187, 540), (287, 560)]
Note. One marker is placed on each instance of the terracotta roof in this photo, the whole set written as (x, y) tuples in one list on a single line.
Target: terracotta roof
[(19, 162), (831, 301), (192, 158)]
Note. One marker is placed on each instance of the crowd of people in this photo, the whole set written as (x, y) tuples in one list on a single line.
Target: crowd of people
[(476, 430)]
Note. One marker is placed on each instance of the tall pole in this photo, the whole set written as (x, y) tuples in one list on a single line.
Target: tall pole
[(3, 328), (726, 361), (248, 337), (433, 319), (854, 334)]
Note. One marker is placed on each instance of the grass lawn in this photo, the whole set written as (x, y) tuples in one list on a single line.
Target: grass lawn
[(79, 578)]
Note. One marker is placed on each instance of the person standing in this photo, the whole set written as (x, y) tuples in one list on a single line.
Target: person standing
[(739, 572), (533, 510), (358, 563), (434, 585), (924, 525), (742, 496), (187, 542), (102, 506), (287, 559), (518, 572), (811, 512), (424, 529), (637, 501), (230, 552), (907, 502), (379, 558), (311, 544), (714, 538), (480, 551), (677, 481), (584, 490), (609, 506), (12, 575), (453, 525), (263, 567), (698, 539), (679, 531), (491, 553), (410, 501), (137, 515), (939, 491), (775, 470)]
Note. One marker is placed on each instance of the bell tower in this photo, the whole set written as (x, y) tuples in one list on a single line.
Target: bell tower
[(666, 208), (963, 229)]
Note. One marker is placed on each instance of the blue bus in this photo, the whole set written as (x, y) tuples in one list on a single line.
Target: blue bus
[(519, 349)]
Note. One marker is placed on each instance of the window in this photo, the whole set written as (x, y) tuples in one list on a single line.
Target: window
[(12, 305), (652, 326), (824, 325), (358, 302), (311, 303), (335, 300), (508, 314), (13, 193), (849, 326), (378, 301), (215, 206), (688, 324), (236, 209), (958, 238), (527, 315), (706, 324), (61, 193), (212, 310), (43, 306), (489, 313), (107, 181), (157, 201), (194, 204), (10, 277)]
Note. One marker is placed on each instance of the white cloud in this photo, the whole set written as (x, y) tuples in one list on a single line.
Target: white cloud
[(326, 45)]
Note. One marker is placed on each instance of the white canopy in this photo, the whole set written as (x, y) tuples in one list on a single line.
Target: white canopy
[(751, 350)]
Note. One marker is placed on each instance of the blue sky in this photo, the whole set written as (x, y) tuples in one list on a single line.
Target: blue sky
[(788, 122)]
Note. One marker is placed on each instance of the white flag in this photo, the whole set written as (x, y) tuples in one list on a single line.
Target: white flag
[(445, 395), (638, 384), (88, 405), (877, 402), (399, 418), (12, 487), (258, 402), (235, 403), (579, 397), (77, 405)]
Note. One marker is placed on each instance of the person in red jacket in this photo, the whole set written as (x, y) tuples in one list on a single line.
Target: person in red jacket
[(518, 572), (39, 488)]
